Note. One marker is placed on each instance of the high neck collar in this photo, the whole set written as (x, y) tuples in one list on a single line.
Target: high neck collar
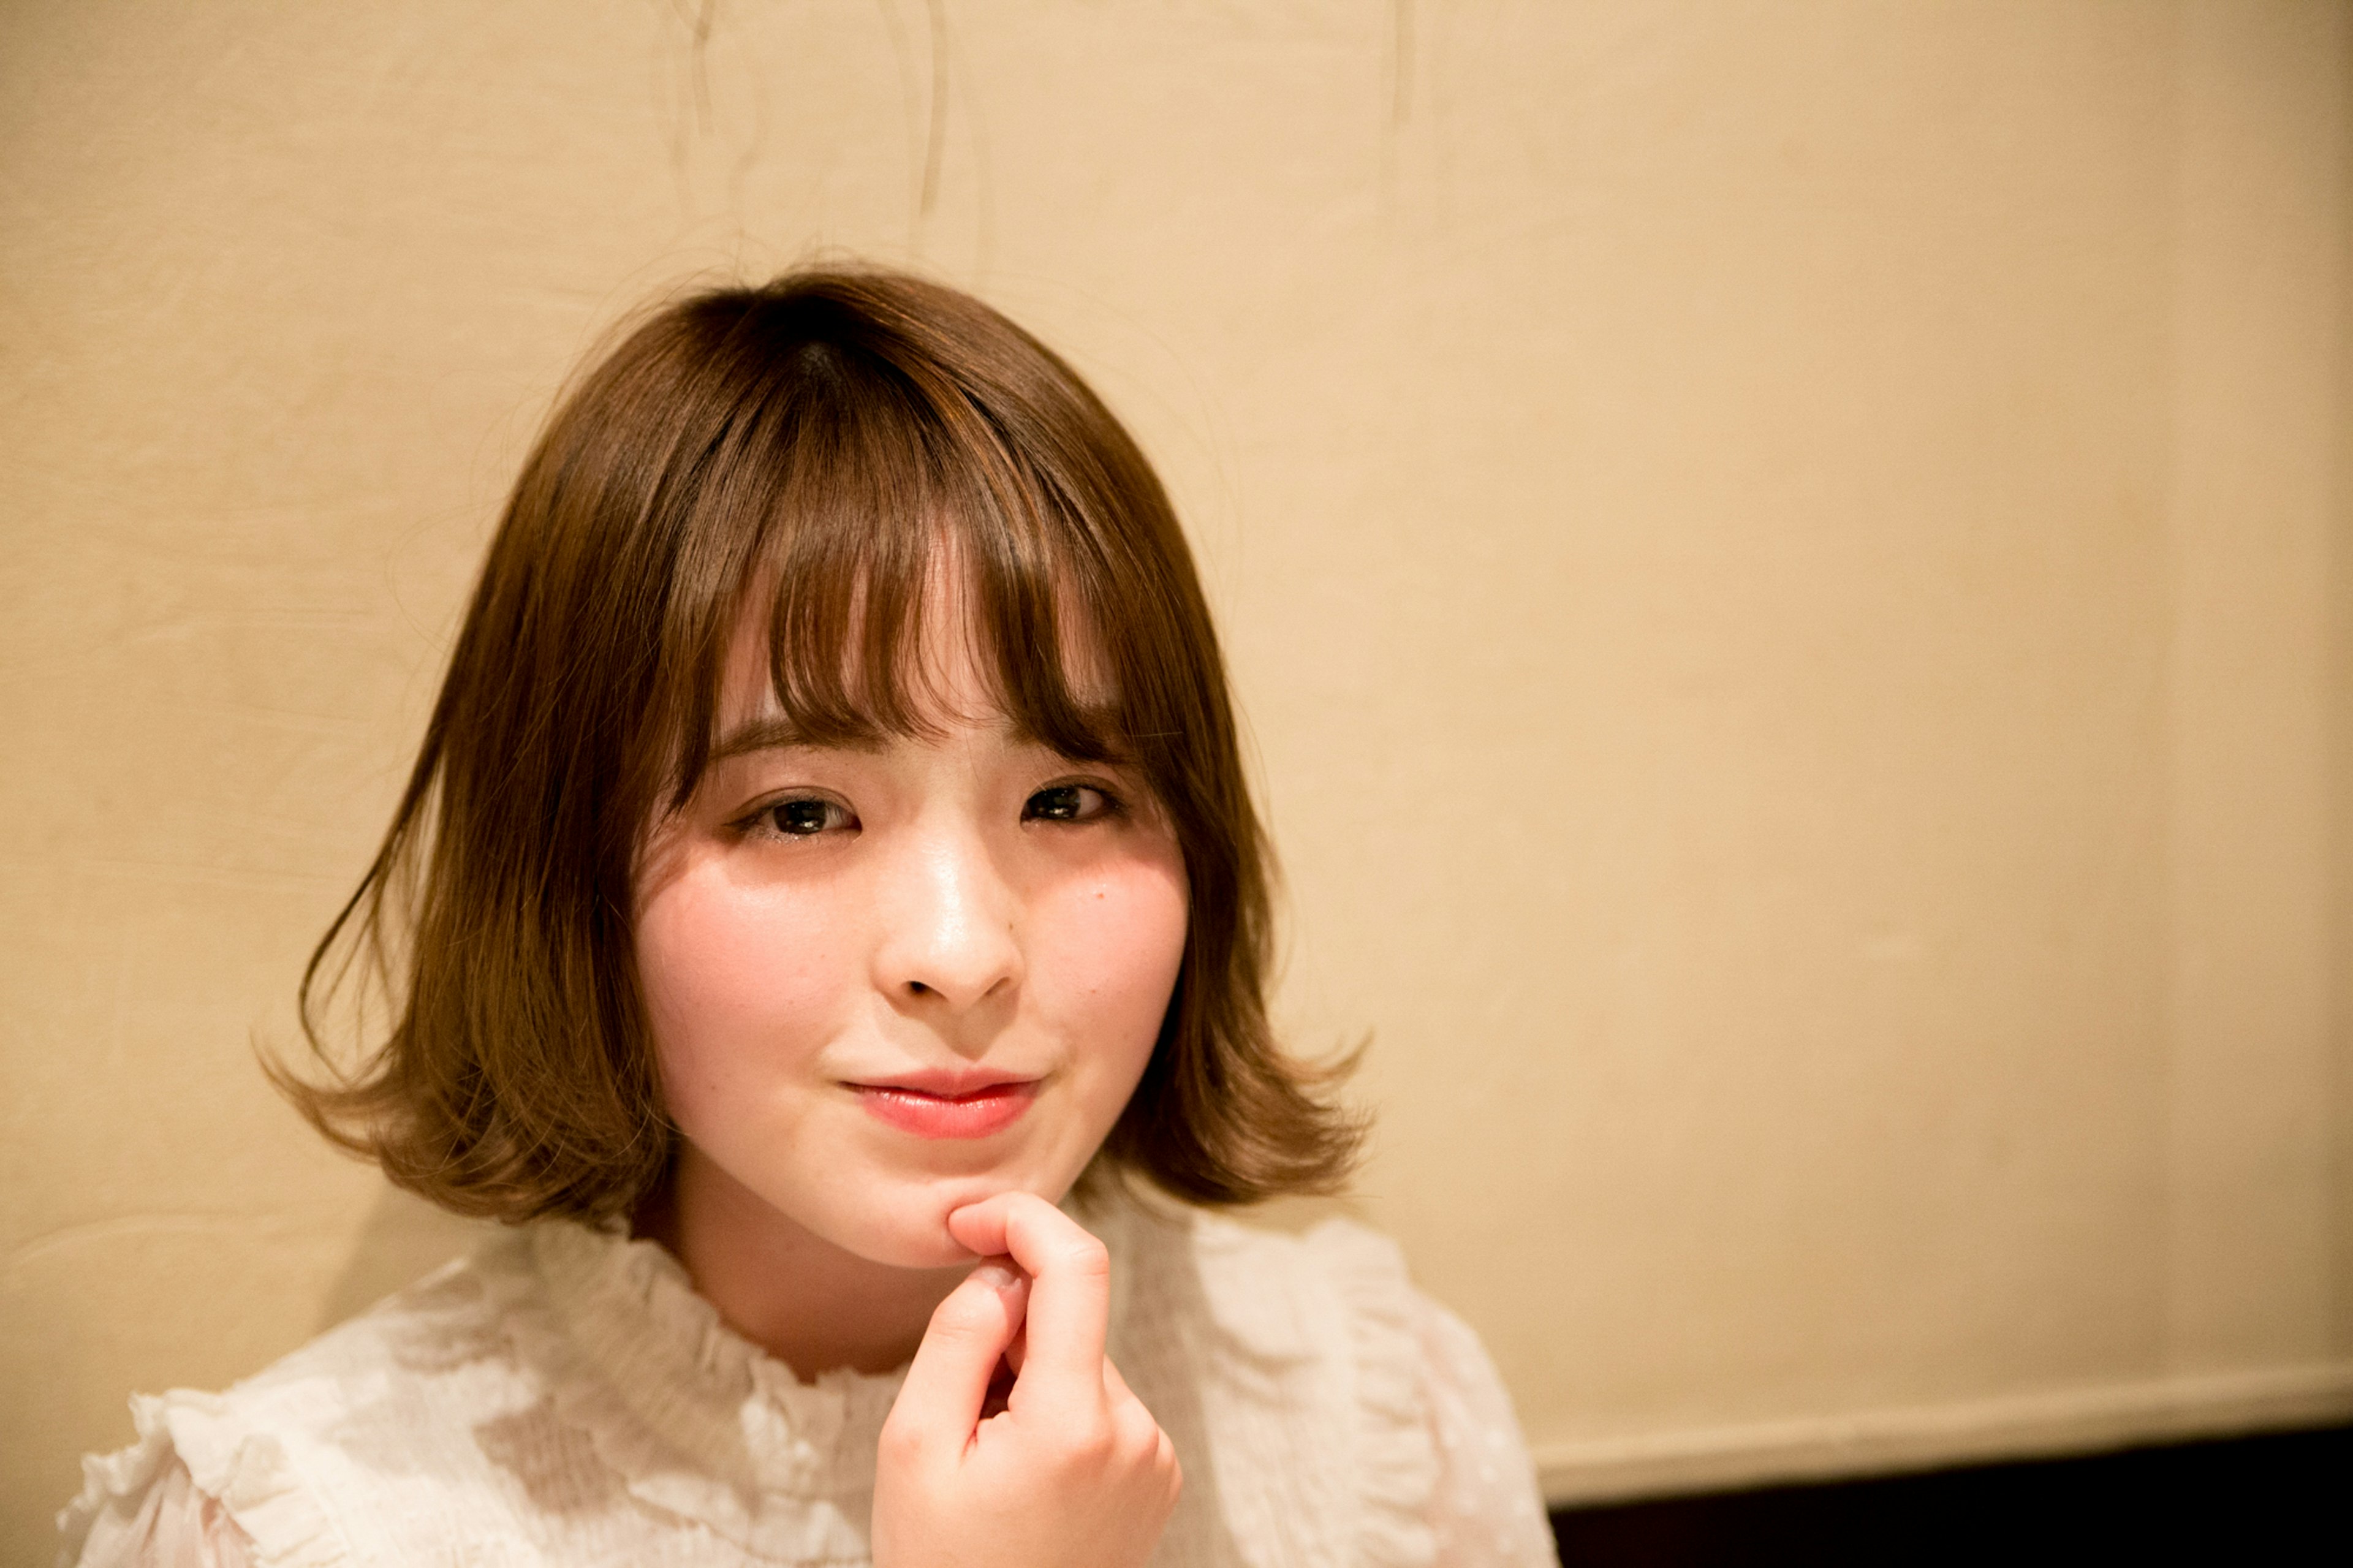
[(726, 1404)]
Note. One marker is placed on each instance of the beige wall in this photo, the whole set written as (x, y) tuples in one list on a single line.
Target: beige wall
[(1788, 564)]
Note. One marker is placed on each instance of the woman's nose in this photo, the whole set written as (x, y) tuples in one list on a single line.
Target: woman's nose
[(949, 930)]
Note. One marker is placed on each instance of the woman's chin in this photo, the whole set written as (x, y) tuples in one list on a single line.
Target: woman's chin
[(916, 1233), (920, 1251)]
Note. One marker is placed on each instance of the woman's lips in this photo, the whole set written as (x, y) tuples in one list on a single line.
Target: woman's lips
[(926, 1115)]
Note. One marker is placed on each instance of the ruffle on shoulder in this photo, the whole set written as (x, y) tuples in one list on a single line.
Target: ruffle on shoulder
[(695, 1420), (247, 1473), (1316, 1377), (1397, 1456)]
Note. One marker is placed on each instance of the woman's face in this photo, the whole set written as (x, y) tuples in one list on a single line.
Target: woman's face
[(884, 982)]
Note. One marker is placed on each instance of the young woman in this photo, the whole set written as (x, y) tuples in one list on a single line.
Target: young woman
[(829, 864)]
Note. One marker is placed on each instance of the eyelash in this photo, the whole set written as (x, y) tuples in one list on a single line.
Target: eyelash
[(762, 822), (1111, 805)]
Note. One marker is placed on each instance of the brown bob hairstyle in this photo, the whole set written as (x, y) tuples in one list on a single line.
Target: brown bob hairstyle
[(808, 451)]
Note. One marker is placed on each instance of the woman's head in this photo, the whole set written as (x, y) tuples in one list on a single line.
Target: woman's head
[(812, 597)]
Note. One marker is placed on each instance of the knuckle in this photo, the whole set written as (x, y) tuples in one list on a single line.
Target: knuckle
[(1092, 1446), (964, 1315), (1085, 1255), (902, 1442)]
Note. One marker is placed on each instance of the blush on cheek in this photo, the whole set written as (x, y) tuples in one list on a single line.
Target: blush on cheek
[(736, 984), (1119, 943)]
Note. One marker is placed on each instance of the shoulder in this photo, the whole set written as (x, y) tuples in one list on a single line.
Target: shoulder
[(1337, 1295), (1270, 1293), (1290, 1372), (275, 1457), (1326, 1410)]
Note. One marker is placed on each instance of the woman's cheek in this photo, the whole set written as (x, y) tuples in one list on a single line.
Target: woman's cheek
[(737, 982), (1124, 941)]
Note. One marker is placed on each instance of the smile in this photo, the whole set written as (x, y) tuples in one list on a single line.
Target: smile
[(926, 1115)]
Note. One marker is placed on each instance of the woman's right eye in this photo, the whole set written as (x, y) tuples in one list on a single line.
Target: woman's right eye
[(804, 817)]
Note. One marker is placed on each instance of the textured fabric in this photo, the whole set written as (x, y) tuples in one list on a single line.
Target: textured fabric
[(564, 1396), (152, 1515), (1485, 1510)]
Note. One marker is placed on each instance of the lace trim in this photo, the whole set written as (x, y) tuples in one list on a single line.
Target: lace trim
[(247, 1473), (694, 1419), (1310, 1361)]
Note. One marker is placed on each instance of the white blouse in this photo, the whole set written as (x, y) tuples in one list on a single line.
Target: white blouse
[(564, 1396)]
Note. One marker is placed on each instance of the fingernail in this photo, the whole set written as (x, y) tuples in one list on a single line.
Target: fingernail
[(995, 1276)]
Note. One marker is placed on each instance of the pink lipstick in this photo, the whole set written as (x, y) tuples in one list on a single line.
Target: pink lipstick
[(975, 1113)]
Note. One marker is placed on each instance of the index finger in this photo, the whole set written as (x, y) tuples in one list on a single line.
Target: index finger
[(948, 1381), (1070, 1290)]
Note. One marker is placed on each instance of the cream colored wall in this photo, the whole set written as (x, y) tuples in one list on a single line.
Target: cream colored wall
[(1787, 564)]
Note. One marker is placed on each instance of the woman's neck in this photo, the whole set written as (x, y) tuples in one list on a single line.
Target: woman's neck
[(800, 1298)]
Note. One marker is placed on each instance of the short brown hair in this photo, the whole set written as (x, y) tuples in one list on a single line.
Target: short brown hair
[(824, 438)]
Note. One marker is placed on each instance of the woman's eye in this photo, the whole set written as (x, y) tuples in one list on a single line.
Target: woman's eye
[(804, 817), (1067, 802)]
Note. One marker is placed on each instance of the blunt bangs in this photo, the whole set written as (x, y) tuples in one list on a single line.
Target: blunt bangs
[(833, 519)]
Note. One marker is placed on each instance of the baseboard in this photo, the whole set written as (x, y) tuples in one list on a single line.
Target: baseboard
[(2082, 1420)]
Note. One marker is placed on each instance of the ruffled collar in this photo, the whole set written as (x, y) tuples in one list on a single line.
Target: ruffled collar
[(696, 1419)]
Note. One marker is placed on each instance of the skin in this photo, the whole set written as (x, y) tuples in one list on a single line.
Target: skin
[(819, 919)]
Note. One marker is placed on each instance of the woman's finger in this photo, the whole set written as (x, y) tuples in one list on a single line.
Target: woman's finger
[(1069, 1290), (948, 1382)]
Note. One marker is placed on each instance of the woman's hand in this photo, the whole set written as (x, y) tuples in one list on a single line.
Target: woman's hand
[(1075, 1472)]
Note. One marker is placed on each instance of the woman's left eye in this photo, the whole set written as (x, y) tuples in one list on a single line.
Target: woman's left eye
[(1068, 803)]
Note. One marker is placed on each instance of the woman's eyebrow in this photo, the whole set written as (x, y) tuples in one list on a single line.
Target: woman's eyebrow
[(773, 733), (1100, 719)]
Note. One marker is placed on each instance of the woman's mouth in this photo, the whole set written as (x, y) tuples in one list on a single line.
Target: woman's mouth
[(974, 1114)]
